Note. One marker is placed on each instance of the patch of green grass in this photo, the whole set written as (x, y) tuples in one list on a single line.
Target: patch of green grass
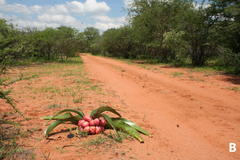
[(177, 74), (3, 80), (236, 89), (67, 89), (78, 100), (20, 78), (49, 89), (144, 66), (29, 77), (73, 60), (86, 82), (204, 69), (9, 148), (97, 141), (121, 137), (106, 139), (53, 106), (214, 69), (94, 87), (77, 81), (69, 74), (195, 79)]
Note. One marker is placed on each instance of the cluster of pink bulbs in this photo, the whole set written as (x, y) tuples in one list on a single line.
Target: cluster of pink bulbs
[(92, 126)]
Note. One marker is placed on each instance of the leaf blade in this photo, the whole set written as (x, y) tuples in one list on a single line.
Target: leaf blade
[(119, 124), (70, 110), (102, 109), (134, 125), (52, 126), (110, 122), (58, 117)]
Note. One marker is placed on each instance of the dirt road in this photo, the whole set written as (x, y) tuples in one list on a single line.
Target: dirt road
[(188, 120)]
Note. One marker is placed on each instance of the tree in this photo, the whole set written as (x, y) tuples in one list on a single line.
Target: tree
[(177, 45), (117, 42), (197, 28), (66, 44), (152, 19), (225, 31), (90, 35), (9, 44)]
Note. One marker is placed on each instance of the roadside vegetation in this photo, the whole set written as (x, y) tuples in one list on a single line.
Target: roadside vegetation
[(45, 90), (178, 32)]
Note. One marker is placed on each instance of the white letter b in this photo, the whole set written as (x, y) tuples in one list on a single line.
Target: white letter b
[(232, 147)]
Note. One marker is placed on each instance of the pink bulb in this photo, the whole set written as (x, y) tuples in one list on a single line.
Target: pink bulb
[(85, 124), (92, 129), (87, 118), (81, 122), (102, 121), (98, 130), (86, 129), (92, 123), (96, 121)]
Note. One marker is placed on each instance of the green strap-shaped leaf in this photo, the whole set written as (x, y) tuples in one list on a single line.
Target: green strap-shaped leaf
[(75, 119), (120, 125), (133, 132), (70, 110), (58, 117), (102, 109), (66, 116), (52, 126), (110, 123), (9, 122), (134, 125)]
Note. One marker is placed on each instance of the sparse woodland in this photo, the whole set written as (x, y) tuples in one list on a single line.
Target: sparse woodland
[(177, 31)]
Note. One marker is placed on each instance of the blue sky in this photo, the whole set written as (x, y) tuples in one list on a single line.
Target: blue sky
[(102, 14)]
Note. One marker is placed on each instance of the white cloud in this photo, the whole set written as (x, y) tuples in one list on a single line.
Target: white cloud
[(30, 23), (67, 14), (61, 20), (104, 22), (36, 8), (56, 18), (2, 1), (89, 6), (104, 26), (20, 8), (15, 8), (57, 9), (104, 18), (96, 7)]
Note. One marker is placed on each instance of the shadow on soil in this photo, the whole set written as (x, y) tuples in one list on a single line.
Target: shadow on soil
[(62, 131), (233, 79), (9, 147), (228, 72)]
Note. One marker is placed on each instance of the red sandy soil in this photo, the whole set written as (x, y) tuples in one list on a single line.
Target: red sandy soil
[(188, 119), (191, 116)]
